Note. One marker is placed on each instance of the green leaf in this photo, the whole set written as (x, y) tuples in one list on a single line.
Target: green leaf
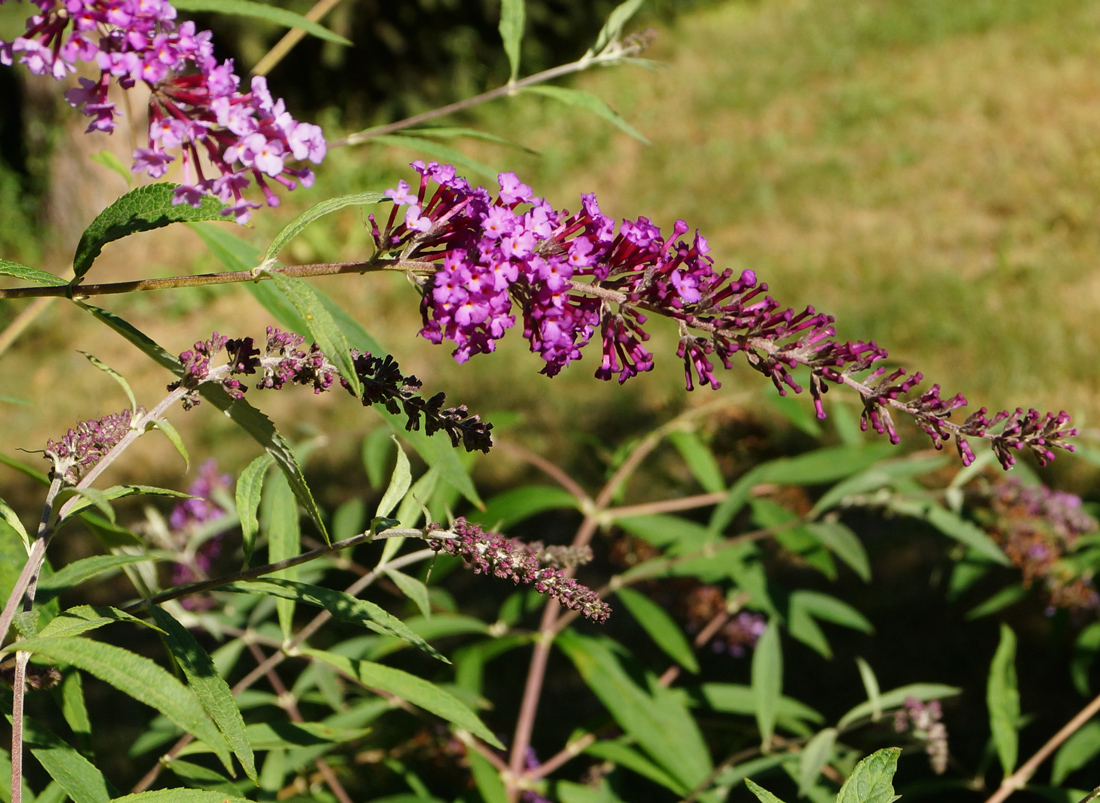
[(246, 8), (1084, 654), (136, 676), (142, 209), (80, 778), (699, 459), (413, 589), (85, 569), (10, 516), (870, 685), (441, 152), (101, 499), (239, 411), (767, 680), (512, 19), (882, 474), (1003, 699), (213, 692), (82, 618), (795, 410), (831, 609), (813, 758), (952, 526), (174, 438), (1079, 749), (613, 28), (414, 689), (248, 493), (296, 226), (762, 794), (998, 602), (343, 606), (656, 719), (588, 102), (322, 327), (895, 698), (284, 540), (400, 481), (115, 375), (872, 779), (73, 707), (179, 796), (839, 539), (112, 162), (486, 778), (513, 506), (735, 698), (29, 274), (625, 756), (665, 633)]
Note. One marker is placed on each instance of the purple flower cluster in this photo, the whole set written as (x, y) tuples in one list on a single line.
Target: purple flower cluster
[(283, 362), (1039, 528), (737, 636), (483, 260), (81, 448), (507, 558), (196, 105), (922, 722)]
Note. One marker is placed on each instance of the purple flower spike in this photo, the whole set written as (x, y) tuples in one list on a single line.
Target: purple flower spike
[(490, 553), (479, 256), (84, 446), (196, 107)]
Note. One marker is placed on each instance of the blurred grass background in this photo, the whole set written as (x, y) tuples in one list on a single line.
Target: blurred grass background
[(924, 170)]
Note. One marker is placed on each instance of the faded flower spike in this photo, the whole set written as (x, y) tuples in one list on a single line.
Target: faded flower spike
[(486, 261), (196, 107), (490, 553), (81, 448), (283, 362)]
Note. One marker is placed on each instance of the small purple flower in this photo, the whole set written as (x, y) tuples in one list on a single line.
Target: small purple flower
[(922, 722), (196, 106)]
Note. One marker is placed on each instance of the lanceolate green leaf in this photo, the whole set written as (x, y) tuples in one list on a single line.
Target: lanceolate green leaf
[(81, 779), (247, 8), (613, 28), (213, 692), (487, 778), (412, 688), (284, 540), (648, 719), (699, 459), (589, 102), (239, 411), (179, 796), (81, 619), (248, 492), (400, 481), (343, 606), (815, 755), (952, 526), (767, 680), (28, 274), (762, 794), (1003, 699), (872, 779), (660, 626), (296, 226), (512, 18), (513, 506), (138, 677), (142, 209)]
